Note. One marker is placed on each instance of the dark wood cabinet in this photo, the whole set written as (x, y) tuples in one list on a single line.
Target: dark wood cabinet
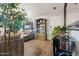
[(42, 27)]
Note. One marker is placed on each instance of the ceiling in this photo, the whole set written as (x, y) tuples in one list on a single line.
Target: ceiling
[(39, 9)]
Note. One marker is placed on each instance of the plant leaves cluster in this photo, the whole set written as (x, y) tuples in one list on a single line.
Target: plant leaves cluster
[(12, 17)]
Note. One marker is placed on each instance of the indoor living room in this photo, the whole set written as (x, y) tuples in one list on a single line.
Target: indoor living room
[(39, 29), (49, 20)]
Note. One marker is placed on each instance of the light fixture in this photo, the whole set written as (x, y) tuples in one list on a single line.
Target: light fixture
[(54, 8), (75, 3)]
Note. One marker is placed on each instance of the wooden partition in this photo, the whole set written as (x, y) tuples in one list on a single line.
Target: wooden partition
[(14, 47)]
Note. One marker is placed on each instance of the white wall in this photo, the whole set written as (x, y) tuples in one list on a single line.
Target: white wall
[(72, 17), (57, 19), (52, 20)]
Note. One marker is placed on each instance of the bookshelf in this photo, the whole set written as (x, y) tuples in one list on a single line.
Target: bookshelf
[(42, 26)]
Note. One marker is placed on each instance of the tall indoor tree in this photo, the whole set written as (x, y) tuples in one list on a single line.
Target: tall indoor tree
[(12, 18)]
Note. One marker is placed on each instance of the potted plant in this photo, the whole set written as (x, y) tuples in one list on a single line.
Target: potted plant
[(57, 29)]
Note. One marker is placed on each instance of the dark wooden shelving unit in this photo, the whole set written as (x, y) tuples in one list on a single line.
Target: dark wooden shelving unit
[(42, 26)]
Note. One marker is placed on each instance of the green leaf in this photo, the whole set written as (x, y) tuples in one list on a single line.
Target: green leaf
[(11, 18)]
